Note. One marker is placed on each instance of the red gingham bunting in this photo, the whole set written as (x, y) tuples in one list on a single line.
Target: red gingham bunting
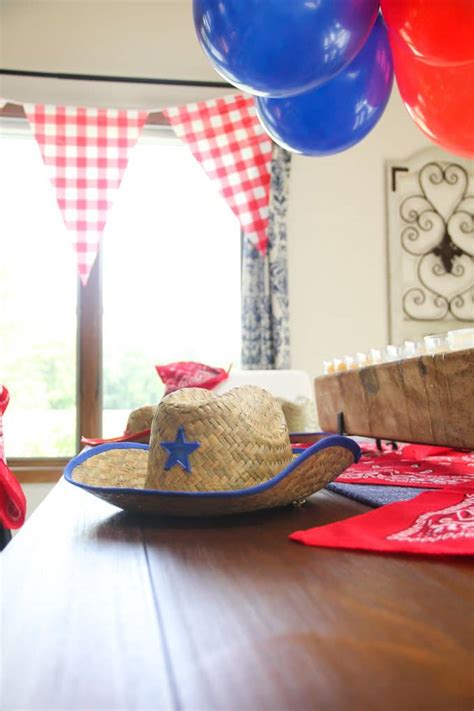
[(227, 139), (85, 151)]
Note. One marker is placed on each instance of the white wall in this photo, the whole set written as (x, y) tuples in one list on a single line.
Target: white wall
[(337, 245), (35, 493), (135, 38), (337, 241)]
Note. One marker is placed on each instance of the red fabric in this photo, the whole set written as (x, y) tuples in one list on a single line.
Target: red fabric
[(227, 139), (433, 523), (4, 400), (421, 451), (12, 498), (86, 153), (187, 374), (415, 465)]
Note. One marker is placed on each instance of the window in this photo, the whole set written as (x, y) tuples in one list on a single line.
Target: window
[(167, 279), (37, 306), (171, 275)]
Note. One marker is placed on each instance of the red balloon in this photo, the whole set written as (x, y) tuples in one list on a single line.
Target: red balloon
[(438, 31), (439, 99)]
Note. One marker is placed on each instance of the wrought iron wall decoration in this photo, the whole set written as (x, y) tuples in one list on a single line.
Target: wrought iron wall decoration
[(431, 244)]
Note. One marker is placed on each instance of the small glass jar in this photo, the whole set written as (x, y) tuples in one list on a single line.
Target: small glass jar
[(350, 361), (413, 349), (376, 355), (436, 343), (328, 367), (392, 353), (339, 365), (461, 339), (363, 360)]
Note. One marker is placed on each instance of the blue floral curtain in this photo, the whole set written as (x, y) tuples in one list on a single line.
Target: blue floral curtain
[(265, 308)]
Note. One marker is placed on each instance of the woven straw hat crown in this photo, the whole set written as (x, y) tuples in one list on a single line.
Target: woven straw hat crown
[(241, 436)]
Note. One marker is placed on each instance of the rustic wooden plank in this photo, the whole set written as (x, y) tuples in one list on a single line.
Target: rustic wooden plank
[(329, 401), (386, 403), (417, 400), (459, 403), (429, 399), (451, 433), (80, 629), (356, 413), (254, 621), (437, 414)]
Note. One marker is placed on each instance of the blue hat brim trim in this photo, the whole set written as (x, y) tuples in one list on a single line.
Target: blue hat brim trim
[(329, 441)]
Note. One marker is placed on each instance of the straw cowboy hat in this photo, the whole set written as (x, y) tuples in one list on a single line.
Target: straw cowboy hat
[(211, 455), (138, 428)]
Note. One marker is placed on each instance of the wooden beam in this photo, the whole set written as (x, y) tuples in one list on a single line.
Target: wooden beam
[(37, 470), (89, 354)]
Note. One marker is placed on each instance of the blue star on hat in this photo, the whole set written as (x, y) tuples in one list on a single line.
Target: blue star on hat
[(179, 451)]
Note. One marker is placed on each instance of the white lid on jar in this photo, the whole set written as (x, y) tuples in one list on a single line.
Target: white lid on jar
[(436, 343), (460, 339), (391, 353), (411, 349)]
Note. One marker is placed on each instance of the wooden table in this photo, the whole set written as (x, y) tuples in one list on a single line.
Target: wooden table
[(103, 610)]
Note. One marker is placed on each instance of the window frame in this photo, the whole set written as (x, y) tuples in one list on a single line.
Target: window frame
[(89, 374)]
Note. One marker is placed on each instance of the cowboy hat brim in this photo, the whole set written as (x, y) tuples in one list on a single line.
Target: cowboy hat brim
[(310, 470)]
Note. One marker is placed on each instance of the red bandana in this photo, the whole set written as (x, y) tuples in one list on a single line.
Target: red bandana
[(433, 523), (12, 498), (419, 466), (187, 374)]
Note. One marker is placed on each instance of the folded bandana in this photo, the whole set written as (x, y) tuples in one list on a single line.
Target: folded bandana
[(187, 374), (419, 466), (433, 523)]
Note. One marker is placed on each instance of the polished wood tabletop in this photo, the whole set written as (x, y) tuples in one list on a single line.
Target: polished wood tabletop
[(102, 610)]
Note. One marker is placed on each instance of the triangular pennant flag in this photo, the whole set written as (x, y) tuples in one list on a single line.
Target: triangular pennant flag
[(228, 140), (86, 152)]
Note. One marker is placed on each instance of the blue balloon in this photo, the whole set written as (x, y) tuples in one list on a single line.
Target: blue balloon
[(282, 47), (340, 113)]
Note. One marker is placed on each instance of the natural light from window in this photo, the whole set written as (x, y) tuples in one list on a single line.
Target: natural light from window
[(171, 288), (38, 288), (171, 275)]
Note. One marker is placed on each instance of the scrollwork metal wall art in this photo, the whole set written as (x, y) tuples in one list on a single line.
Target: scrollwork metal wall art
[(438, 229)]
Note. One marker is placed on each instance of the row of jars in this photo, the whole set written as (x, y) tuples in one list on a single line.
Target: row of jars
[(436, 343)]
